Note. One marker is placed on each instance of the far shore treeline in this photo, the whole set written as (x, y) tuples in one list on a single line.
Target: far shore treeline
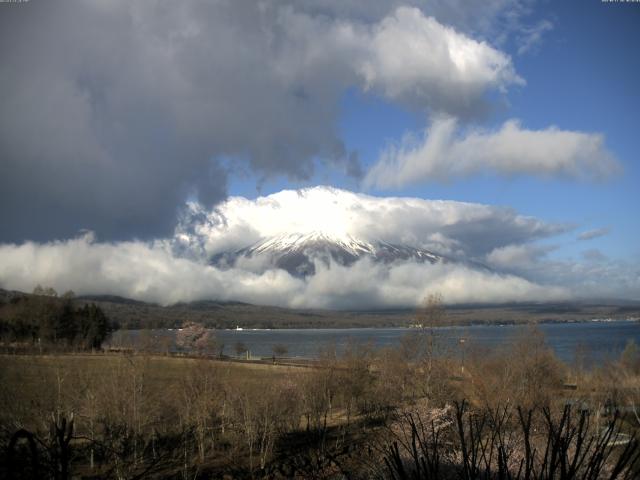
[(129, 314)]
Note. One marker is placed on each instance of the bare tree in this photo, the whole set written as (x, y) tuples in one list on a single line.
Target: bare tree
[(261, 415), (429, 317), (627, 379), (355, 380), (526, 373), (240, 349), (202, 394), (279, 350)]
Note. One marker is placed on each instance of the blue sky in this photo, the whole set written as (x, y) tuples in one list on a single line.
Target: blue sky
[(582, 75)]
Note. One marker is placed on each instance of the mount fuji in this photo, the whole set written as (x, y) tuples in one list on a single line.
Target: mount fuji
[(297, 253)]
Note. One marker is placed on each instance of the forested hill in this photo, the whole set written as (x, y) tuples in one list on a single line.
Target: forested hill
[(45, 319), (133, 314)]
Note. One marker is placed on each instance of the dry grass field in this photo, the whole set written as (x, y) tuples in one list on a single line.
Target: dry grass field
[(141, 415)]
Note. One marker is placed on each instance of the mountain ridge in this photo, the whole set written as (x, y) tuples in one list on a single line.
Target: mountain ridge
[(297, 252), (135, 314)]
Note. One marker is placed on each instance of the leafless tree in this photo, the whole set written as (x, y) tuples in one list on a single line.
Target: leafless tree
[(279, 350), (429, 317), (202, 394), (240, 349)]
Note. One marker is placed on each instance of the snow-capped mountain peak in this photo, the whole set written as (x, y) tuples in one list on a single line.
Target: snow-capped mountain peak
[(298, 252), (303, 240)]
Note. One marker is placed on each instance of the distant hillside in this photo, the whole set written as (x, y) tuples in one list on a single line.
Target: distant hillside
[(133, 314)]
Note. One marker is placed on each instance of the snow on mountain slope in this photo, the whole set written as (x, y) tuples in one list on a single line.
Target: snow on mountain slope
[(446, 228), (297, 252)]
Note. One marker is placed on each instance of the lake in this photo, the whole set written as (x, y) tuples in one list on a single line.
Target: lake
[(597, 340)]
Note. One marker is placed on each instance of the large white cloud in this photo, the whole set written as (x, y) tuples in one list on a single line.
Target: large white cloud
[(417, 60), (151, 272), (100, 98), (468, 230), (177, 269), (445, 153)]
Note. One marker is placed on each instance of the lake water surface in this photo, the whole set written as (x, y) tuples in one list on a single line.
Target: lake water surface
[(598, 341)]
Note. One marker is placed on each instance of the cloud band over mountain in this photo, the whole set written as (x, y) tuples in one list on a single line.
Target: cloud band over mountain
[(177, 269), (465, 230), (152, 272)]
